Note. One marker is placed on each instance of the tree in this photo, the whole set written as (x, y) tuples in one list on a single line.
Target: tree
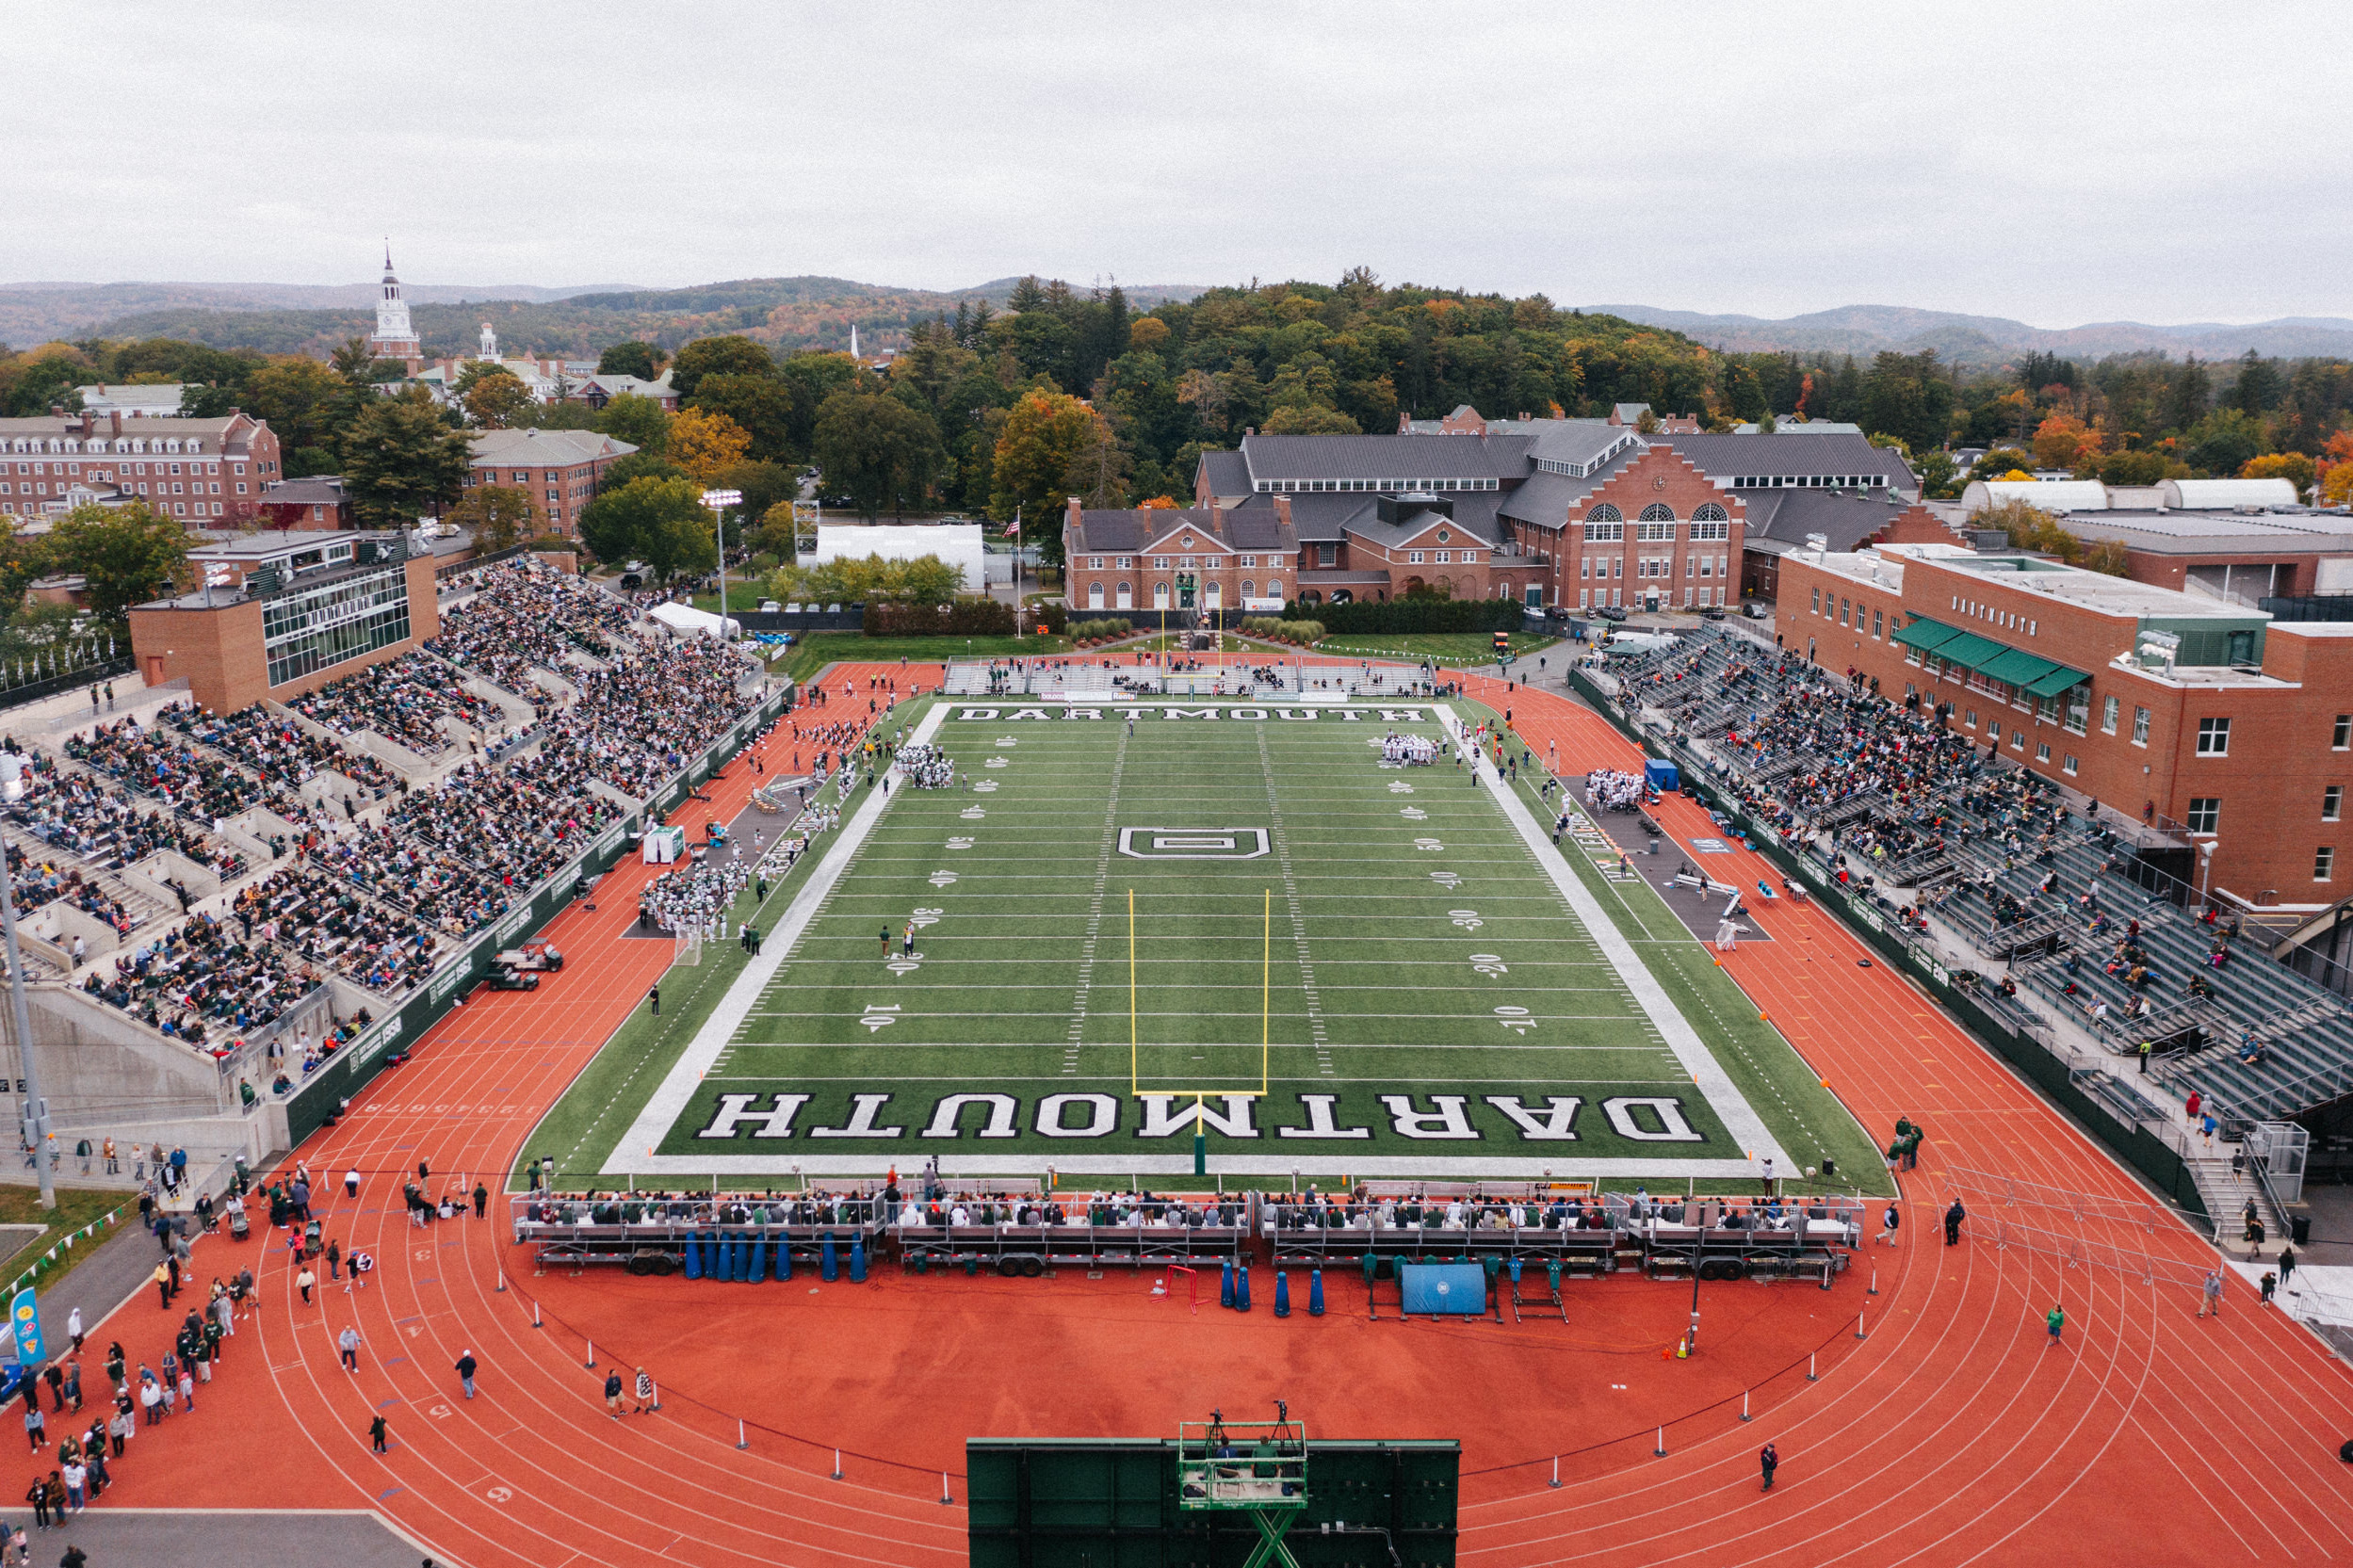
[(2294, 467), (1911, 397), (639, 421), (633, 466), (663, 522), (1097, 474), (1043, 433), (498, 516), (876, 448), (776, 535), (493, 396), (718, 356), (304, 402), (923, 580), (813, 378), (761, 405), (128, 555), (764, 485), (2001, 460), (1310, 419), (703, 444), (2064, 441), (633, 358), (2225, 441), (399, 459)]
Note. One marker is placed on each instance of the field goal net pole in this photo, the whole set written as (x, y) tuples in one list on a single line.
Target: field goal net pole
[(1266, 1034)]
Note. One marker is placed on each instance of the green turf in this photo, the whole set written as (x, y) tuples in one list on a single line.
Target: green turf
[(1460, 648), (1414, 951)]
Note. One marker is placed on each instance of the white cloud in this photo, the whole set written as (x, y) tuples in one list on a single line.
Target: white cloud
[(2059, 164)]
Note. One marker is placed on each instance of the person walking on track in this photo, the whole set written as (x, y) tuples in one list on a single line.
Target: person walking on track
[(2210, 1295), (1952, 1218), (467, 1369), (377, 1431), (653, 994), (2054, 1321), (1890, 1222), (1768, 1460)]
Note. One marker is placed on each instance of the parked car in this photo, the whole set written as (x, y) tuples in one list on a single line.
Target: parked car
[(1609, 612), (1711, 612), (1753, 611)]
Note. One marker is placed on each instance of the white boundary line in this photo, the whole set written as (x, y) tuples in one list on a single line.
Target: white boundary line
[(1739, 1119), (669, 1101)]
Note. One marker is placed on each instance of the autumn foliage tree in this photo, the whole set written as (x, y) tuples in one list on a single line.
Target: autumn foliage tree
[(2063, 440), (705, 444), (498, 516)]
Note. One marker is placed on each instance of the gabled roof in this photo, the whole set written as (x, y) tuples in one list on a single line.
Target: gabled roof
[(1122, 531), (1784, 517), (1413, 530), (1551, 500), (1228, 473)]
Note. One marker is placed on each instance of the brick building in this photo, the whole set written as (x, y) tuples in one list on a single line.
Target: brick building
[(208, 473), (2229, 732), (1533, 508), (559, 469), (1157, 559), (285, 613)]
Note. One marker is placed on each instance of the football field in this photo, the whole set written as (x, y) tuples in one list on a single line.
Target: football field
[(1130, 924)]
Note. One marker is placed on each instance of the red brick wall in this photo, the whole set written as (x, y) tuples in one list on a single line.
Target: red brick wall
[(220, 650), (1660, 476)]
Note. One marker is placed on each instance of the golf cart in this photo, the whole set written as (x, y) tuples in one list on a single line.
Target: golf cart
[(504, 978), (539, 955)]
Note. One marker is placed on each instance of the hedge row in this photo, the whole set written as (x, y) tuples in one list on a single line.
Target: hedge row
[(1097, 631), (963, 617), (1413, 615), (1305, 633)]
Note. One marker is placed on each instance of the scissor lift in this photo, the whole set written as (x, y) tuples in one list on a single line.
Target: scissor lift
[(1254, 1467)]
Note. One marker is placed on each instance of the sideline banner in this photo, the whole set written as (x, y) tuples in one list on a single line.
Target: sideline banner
[(24, 1318)]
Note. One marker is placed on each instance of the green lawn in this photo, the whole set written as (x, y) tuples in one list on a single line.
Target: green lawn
[(77, 1207), (1362, 968), (1457, 648), (816, 649)]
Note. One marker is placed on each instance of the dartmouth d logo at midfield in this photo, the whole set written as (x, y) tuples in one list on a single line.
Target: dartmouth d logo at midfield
[(1192, 843)]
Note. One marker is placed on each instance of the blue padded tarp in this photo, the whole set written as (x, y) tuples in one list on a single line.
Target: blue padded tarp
[(1454, 1290)]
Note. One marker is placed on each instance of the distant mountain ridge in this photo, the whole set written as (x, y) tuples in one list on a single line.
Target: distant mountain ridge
[(1989, 340), (787, 313)]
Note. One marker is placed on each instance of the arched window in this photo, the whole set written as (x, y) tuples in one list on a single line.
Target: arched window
[(1094, 597), (1127, 599), (1605, 514), (1249, 589), (1656, 513), (1709, 512), (1160, 596)]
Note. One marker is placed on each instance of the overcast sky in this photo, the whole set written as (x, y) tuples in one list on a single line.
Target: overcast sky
[(2060, 163)]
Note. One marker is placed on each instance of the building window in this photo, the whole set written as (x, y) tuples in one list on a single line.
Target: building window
[(1413, 558), (1096, 562), (1585, 598), (2068, 766), (1817, 601), (311, 629), (2042, 752), (2078, 709), (1326, 555), (1842, 612), (2017, 740), (2141, 726), (1972, 720), (2214, 737), (2205, 812), (2331, 802), (2108, 707), (1126, 563), (2323, 862), (2341, 738), (1878, 624)]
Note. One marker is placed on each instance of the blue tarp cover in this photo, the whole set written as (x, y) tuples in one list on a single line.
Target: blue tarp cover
[(1459, 1288)]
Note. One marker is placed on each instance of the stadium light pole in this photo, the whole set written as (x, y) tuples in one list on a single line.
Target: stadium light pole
[(719, 501)]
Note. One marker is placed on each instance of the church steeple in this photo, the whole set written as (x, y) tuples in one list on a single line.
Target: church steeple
[(395, 337)]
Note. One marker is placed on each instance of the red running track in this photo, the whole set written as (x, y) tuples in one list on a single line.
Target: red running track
[(1951, 1435)]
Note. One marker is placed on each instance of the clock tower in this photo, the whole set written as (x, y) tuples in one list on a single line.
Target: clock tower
[(394, 337)]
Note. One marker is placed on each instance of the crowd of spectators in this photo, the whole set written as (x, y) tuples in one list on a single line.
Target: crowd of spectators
[(155, 761), (33, 883), (278, 749), (202, 983), (401, 700), (86, 816), (526, 615), (324, 920), (517, 822), (440, 886)]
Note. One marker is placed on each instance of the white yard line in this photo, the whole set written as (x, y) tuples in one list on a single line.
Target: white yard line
[(670, 1100), (1739, 1119)]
